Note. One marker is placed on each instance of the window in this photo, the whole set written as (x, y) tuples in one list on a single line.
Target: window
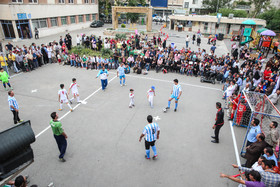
[(61, 1), (92, 1), (64, 20), (33, 1), (186, 4), (73, 19), (93, 17), (86, 1), (87, 17), (71, 1), (81, 18), (53, 22), (194, 1), (17, 1), (39, 23)]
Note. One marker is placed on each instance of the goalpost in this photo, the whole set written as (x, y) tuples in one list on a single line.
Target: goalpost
[(253, 105)]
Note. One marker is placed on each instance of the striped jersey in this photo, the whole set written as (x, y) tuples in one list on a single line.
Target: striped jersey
[(12, 102), (176, 90), (150, 131), (121, 70)]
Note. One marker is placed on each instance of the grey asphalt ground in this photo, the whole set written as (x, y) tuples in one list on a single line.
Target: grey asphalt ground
[(103, 147)]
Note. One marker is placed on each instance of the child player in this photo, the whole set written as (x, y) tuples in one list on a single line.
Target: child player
[(4, 77), (131, 97), (150, 95), (74, 89), (63, 98)]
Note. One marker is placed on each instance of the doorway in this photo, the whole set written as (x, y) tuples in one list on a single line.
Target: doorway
[(23, 28)]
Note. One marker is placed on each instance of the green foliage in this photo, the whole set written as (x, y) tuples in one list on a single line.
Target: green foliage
[(123, 25), (133, 17), (243, 3), (272, 18), (237, 13), (84, 51), (120, 36), (106, 52), (259, 5), (142, 32), (212, 4)]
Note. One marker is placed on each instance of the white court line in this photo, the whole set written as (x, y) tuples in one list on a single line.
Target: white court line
[(234, 144), (73, 108), (16, 75), (172, 82)]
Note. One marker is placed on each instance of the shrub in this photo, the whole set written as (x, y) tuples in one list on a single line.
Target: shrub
[(106, 52), (120, 36), (123, 25)]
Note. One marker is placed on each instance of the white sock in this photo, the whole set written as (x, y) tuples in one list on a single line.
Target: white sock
[(69, 106), (60, 106), (78, 98)]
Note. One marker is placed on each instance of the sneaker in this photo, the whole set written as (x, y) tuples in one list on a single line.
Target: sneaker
[(60, 109), (6, 89), (175, 110), (11, 88), (70, 102), (147, 157), (62, 160), (20, 121), (121, 85), (130, 106), (133, 105), (124, 84), (71, 110), (167, 108), (154, 157)]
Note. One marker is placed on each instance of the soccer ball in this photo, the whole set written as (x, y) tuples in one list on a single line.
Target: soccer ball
[(164, 109)]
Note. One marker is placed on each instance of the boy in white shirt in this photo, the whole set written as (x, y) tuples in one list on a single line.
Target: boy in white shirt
[(131, 97), (63, 98), (150, 95), (74, 89)]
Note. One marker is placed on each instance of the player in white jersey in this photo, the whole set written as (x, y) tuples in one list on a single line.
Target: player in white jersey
[(74, 89), (151, 131), (150, 95), (175, 94), (63, 98), (131, 97), (120, 72)]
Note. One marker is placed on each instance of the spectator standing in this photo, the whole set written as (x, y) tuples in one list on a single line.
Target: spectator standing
[(254, 151), (151, 131), (273, 136), (275, 97), (253, 132), (219, 122), (275, 47), (59, 135), (3, 61), (14, 107), (193, 38), (36, 33), (78, 40)]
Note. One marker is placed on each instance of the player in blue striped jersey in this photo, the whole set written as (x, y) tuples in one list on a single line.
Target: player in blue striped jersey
[(175, 94), (151, 131)]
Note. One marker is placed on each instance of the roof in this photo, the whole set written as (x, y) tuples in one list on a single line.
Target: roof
[(249, 22), (214, 19)]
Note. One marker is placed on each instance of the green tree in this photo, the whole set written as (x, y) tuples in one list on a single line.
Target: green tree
[(259, 5), (272, 18), (214, 5), (237, 13), (133, 17)]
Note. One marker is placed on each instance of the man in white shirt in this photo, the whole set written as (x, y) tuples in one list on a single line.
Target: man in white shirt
[(63, 98), (78, 40), (274, 97)]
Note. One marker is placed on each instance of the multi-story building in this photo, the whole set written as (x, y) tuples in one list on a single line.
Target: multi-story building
[(19, 18)]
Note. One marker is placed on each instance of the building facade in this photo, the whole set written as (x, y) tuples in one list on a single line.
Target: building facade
[(19, 18), (211, 25)]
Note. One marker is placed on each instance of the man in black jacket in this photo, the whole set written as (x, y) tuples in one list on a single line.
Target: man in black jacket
[(219, 122), (44, 53)]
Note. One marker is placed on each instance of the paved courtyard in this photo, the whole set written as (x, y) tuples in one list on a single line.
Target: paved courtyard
[(103, 133)]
